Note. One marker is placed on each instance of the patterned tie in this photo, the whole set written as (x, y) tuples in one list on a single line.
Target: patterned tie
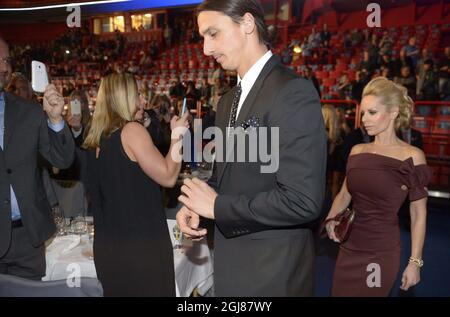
[(234, 106)]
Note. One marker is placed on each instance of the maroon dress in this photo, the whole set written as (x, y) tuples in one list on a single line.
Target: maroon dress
[(379, 185)]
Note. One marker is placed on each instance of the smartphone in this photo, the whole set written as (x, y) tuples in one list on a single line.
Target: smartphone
[(183, 109), (39, 77), (75, 107)]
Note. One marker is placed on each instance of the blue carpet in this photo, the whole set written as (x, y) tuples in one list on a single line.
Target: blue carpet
[(435, 274)]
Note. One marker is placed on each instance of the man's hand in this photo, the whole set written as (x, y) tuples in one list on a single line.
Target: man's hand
[(198, 197), (53, 104), (188, 221)]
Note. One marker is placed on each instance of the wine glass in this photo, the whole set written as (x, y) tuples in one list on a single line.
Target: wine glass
[(186, 173), (78, 226), (90, 231), (178, 235), (59, 221)]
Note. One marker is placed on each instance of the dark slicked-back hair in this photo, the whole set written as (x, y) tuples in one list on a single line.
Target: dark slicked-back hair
[(236, 9)]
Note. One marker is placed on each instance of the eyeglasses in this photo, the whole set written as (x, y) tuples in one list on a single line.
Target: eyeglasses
[(6, 60)]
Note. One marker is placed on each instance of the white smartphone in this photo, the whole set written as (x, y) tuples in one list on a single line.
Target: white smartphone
[(75, 107), (39, 77), (183, 109)]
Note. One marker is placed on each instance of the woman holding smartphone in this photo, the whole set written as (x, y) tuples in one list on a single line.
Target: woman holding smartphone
[(133, 252), (77, 118), (78, 114)]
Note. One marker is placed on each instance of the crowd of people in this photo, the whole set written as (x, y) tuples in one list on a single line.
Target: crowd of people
[(425, 72)]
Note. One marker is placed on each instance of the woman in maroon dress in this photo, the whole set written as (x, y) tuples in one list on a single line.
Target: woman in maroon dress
[(380, 175)]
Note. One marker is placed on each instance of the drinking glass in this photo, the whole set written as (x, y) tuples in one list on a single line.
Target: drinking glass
[(59, 221), (178, 235)]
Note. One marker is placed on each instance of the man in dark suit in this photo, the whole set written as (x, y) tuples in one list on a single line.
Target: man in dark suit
[(25, 216), (263, 245)]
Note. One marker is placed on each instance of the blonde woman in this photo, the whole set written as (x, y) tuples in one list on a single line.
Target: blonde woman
[(380, 175), (132, 249), (331, 120)]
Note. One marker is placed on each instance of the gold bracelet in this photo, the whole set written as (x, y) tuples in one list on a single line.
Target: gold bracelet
[(418, 262)]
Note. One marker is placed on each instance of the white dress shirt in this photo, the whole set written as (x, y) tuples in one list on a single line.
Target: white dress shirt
[(250, 77)]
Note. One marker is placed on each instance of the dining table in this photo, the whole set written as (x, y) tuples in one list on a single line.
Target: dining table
[(72, 255)]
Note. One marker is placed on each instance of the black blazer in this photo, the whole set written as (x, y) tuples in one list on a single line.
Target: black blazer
[(26, 134), (263, 246)]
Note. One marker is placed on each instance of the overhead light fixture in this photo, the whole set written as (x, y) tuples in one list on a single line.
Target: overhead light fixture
[(148, 15), (297, 49), (55, 6)]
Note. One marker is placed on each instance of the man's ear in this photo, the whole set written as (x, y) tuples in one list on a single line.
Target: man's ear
[(248, 23)]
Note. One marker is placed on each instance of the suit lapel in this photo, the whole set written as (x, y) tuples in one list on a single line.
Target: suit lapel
[(254, 92), (11, 114), (245, 109)]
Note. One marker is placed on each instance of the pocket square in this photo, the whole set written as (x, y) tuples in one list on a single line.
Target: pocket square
[(251, 122)]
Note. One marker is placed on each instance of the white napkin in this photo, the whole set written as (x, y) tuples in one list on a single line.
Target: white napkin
[(74, 242)]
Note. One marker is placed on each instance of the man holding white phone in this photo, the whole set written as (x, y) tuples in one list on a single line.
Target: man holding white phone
[(25, 216)]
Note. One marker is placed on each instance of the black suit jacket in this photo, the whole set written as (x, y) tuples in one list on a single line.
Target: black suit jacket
[(263, 246), (26, 134)]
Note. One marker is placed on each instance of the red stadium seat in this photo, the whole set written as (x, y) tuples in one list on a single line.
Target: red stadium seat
[(441, 125), (335, 74), (423, 124), (173, 65), (328, 82), (341, 67), (192, 64)]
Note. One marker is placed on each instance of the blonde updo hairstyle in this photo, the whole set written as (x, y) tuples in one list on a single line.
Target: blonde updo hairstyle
[(392, 95)]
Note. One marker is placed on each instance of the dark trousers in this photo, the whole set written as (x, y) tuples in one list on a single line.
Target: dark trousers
[(22, 258)]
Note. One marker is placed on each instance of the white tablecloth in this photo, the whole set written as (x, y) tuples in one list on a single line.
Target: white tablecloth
[(193, 263)]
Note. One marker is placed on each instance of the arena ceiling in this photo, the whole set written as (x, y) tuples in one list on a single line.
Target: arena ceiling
[(349, 6), (18, 15)]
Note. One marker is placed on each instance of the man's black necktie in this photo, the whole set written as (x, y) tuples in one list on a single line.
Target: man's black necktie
[(234, 106)]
